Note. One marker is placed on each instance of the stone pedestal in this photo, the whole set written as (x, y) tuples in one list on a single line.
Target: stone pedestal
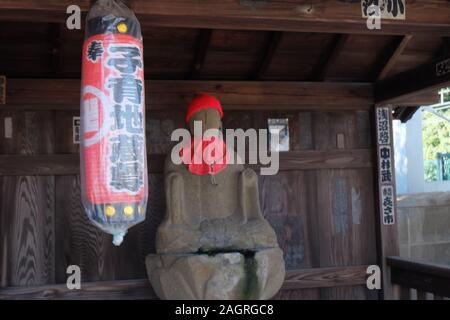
[(217, 276)]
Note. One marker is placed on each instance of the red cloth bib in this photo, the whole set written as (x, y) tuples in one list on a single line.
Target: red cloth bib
[(205, 156)]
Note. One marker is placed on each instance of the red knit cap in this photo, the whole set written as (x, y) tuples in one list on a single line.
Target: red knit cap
[(203, 101)]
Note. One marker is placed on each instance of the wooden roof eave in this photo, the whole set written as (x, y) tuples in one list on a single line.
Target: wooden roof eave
[(284, 15)]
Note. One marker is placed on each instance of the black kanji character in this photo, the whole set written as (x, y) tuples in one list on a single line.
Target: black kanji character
[(368, 3), (126, 87), (385, 164), (95, 50), (131, 118), (128, 166), (127, 176), (129, 60), (126, 148), (385, 153), (395, 7), (389, 219), (386, 176)]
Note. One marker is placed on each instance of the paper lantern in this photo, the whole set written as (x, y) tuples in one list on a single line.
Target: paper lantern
[(113, 149)]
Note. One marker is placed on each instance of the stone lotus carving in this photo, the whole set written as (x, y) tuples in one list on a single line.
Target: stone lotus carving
[(214, 242)]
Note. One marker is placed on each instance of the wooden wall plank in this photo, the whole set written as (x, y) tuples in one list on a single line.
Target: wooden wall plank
[(27, 231), (320, 204), (387, 233), (27, 206), (346, 219), (83, 244), (305, 282), (102, 290), (325, 277), (67, 164)]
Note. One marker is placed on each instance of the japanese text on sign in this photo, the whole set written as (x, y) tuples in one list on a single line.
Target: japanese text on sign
[(384, 134), (443, 68), (387, 204), (385, 164)]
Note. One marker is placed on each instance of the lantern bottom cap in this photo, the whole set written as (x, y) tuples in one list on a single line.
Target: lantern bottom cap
[(118, 238)]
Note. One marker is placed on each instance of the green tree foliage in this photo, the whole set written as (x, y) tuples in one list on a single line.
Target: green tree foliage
[(436, 135), (436, 139)]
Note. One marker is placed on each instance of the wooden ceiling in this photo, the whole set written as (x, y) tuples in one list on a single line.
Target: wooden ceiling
[(49, 50)]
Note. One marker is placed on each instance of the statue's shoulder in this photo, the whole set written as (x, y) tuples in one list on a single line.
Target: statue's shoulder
[(235, 161), (169, 166)]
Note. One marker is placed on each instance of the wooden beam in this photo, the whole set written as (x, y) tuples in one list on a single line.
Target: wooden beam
[(384, 179), (142, 290), (404, 114), (273, 41), (69, 164), (203, 41), (397, 50), (325, 277), (330, 56), (422, 17), (101, 290), (2, 89), (64, 94), (444, 49), (425, 78)]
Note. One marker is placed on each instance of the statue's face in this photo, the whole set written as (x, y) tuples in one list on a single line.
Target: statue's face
[(210, 119)]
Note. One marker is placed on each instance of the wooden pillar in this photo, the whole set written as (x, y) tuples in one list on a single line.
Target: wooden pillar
[(387, 232), (2, 90)]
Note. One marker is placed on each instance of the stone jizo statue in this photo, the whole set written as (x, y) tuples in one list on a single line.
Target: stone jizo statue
[(214, 242)]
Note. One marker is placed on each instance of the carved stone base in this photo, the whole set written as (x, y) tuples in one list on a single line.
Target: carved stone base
[(217, 276)]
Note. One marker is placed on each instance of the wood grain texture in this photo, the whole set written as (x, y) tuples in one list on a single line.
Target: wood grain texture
[(323, 16), (397, 50), (346, 219), (83, 244), (67, 164), (32, 132), (27, 206), (411, 83), (387, 235), (325, 277), (64, 94), (27, 230), (103, 290), (320, 203), (298, 284)]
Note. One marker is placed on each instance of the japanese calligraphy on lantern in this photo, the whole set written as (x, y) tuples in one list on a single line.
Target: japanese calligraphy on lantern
[(389, 9), (387, 204), (126, 138), (113, 119), (443, 68), (383, 126)]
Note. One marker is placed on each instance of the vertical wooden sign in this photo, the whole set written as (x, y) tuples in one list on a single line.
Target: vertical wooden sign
[(2, 90), (385, 177)]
